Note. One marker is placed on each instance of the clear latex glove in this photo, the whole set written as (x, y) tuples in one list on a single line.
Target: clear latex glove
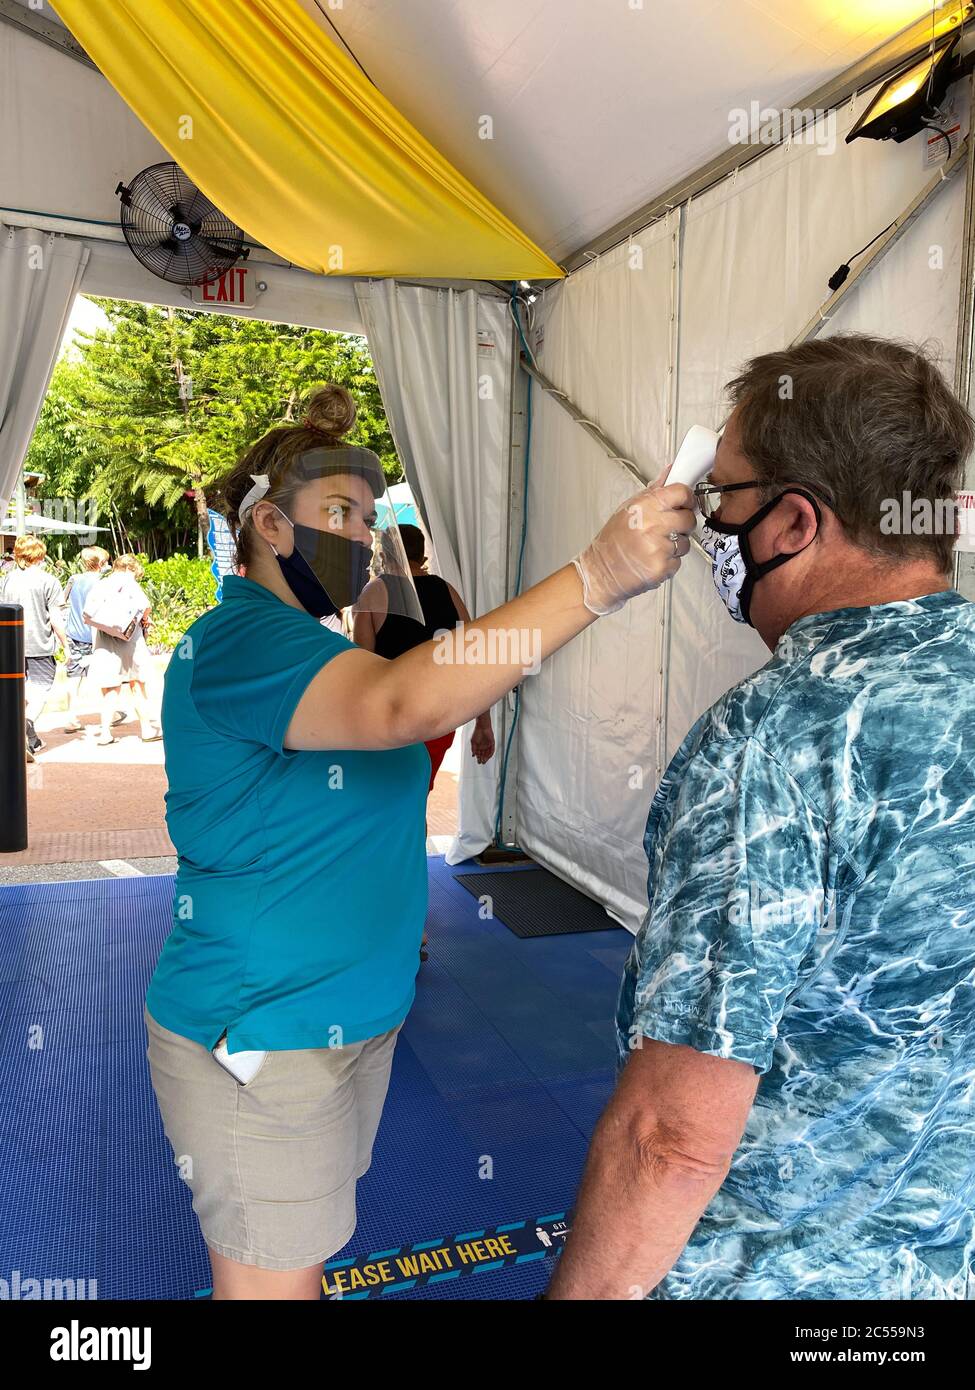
[(636, 551)]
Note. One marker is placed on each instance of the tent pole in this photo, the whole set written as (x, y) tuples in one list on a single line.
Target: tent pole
[(40, 27), (673, 406), (959, 160), (516, 504), (963, 352), (591, 428), (963, 577)]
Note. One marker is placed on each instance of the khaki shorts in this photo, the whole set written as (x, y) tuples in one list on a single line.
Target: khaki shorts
[(273, 1163)]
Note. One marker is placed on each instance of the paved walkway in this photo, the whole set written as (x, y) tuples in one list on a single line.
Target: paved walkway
[(92, 811)]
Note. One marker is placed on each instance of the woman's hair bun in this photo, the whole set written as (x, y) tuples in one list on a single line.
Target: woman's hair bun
[(330, 409)]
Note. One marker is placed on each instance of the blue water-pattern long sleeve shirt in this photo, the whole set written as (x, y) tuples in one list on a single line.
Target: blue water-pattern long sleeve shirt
[(812, 912)]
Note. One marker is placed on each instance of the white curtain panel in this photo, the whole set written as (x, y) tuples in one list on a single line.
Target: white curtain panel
[(39, 278), (443, 362), (756, 254), (760, 247), (913, 293), (589, 726), (758, 251)]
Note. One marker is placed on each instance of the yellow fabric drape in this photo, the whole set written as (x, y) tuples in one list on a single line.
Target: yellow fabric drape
[(285, 135)]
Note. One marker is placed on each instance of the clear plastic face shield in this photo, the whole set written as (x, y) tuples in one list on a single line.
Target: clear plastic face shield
[(347, 543)]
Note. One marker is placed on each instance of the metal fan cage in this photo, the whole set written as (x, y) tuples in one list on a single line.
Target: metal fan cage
[(175, 230)]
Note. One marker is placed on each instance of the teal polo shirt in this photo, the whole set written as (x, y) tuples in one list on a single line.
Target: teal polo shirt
[(301, 887)]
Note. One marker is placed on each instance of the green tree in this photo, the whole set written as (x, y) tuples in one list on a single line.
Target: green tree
[(147, 414)]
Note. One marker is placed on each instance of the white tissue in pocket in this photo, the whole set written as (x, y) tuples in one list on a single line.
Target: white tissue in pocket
[(242, 1065)]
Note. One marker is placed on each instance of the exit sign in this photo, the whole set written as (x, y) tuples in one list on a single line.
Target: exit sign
[(236, 287)]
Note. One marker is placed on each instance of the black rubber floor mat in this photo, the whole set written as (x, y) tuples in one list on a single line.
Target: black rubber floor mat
[(533, 902)]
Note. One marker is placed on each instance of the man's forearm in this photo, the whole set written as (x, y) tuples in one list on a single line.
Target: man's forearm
[(639, 1201)]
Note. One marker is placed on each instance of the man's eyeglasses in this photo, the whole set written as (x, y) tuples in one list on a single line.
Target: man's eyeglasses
[(708, 495)]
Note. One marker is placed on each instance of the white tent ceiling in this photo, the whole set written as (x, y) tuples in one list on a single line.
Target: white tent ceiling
[(597, 105)]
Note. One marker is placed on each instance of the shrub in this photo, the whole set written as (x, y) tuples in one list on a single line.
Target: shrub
[(179, 589)]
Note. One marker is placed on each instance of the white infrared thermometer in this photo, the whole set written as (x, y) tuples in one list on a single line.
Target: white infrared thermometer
[(695, 457)]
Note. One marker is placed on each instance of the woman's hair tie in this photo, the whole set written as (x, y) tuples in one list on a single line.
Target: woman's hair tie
[(307, 424)]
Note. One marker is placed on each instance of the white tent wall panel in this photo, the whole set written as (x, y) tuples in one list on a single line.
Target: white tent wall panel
[(588, 729), (756, 255), (600, 327), (760, 247), (588, 723), (39, 278), (68, 137), (913, 293)]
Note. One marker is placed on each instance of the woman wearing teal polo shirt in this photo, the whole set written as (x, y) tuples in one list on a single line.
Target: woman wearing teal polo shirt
[(297, 783)]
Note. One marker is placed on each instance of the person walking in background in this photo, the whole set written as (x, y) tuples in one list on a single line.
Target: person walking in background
[(118, 661), (95, 562), (42, 599)]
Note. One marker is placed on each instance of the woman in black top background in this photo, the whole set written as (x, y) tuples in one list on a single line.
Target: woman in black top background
[(391, 635)]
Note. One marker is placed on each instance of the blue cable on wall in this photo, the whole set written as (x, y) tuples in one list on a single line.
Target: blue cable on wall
[(514, 302)]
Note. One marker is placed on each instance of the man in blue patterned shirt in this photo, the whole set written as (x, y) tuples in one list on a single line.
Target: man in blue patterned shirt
[(794, 1115)]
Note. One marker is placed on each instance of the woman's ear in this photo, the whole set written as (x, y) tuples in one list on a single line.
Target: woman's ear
[(271, 525)]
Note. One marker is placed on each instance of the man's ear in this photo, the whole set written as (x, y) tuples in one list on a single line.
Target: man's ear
[(799, 524)]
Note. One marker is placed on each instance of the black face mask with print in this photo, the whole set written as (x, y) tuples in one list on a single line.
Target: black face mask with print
[(324, 571)]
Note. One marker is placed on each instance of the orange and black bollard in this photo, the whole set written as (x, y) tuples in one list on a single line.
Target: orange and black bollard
[(13, 731)]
